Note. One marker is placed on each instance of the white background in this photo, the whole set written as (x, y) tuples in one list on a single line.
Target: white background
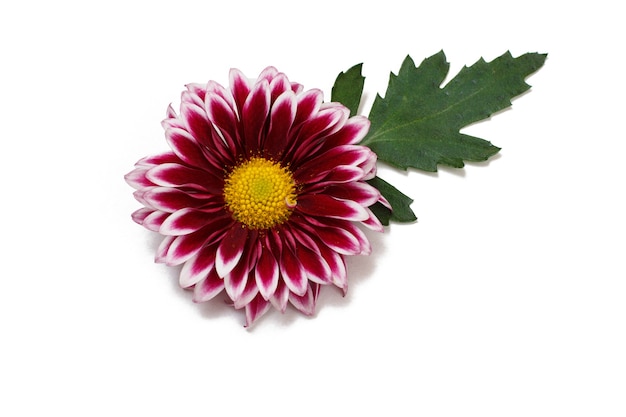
[(506, 298)]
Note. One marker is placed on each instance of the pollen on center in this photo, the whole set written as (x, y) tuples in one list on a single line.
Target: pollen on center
[(260, 193)]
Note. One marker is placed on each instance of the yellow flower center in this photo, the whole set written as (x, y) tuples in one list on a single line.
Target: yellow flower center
[(260, 193)]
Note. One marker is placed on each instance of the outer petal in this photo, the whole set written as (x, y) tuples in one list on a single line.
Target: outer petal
[(164, 246), (315, 266), (230, 249), (240, 87), (360, 192), (198, 267), (154, 221), (172, 199), (185, 247), (137, 178), (266, 273), (162, 158), (208, 288), (255, 309), (184, 221), (293, 272), (140, 215), (339, 240), (255, 112), (349, 155), (176, 175), (322, 124), (236, 281), (305, 302), (249, 293), (185, 147), (278, 85), (373, 223), (309, 103), (281, 297), (282, 115), (197, 122), (223, 117), (326, 206)]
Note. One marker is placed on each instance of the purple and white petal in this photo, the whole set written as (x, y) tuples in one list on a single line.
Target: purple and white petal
[(184, 222), (230, 250), (161, 251), (327, 206), (208, 287), (198, 267), (255, 309), (293, 274), (305, 303), (267, 273)]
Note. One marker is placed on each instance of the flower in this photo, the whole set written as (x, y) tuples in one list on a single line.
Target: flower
[(261, 194)]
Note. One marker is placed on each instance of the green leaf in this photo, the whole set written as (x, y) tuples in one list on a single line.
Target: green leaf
[(348, 88), (417, 124), (400, 203)]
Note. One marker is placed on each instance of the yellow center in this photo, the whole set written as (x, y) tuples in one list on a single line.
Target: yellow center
[(260, 193)]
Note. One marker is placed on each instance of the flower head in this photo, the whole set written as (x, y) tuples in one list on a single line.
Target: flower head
[(261, 194)]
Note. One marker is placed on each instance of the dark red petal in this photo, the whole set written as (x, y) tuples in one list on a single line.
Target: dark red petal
[(175, 175), (185, 247), (170, 113), (197, 122), (339, 240), (222, 115), (184, 221), (185, 147), (326, 206), (281, 297), (282, 116), (230, 249), (255, 114), (309, 103), (191, 97), (266, 273), (315, 266), (268, 74), (198, 267), (315, 168), (137, 178), (240, 87), (139, 216), (236, 281), (345, 227), (339, 175), (208, 288), (337, 266), (279, 85), (164, 246), (352, 132), (172, 199), (361, 192), (163, 158), (373, 223), (249, 292), (304, 302), (255, 309), (292, 272), (155, 220), (199, 90), (322, 124), (215, 88)]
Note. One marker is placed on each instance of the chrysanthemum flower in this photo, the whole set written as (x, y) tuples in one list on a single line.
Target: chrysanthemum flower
[(261, 194)]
